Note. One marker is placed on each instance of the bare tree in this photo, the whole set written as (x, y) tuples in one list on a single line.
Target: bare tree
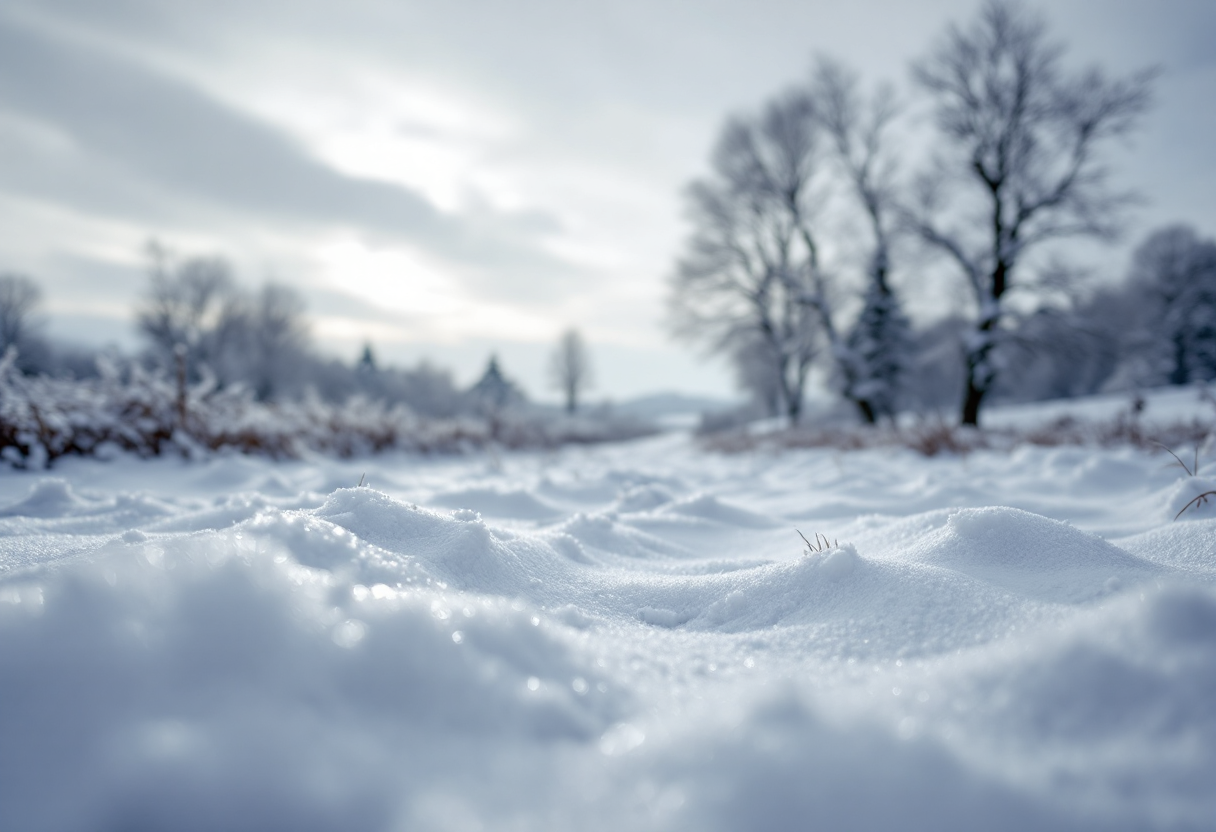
[(755, 373), (570, 368), (194, 308), (262, 340), (1023, 167), (871, 358), (750, 273), (185, 304), (19, 300), (281, 339), (1173, 278)]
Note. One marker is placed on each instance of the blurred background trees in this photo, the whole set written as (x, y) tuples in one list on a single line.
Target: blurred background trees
[(20, 325), (1020, 167), (190, 304), (1016, 165), (1173, 278), (570, 368), (1154, 326), (872, 358), (259, 339), (813, 234), (750, 274)]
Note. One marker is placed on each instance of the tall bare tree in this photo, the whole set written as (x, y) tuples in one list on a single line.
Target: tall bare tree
[(185, 306), (751, 264), (871, 356), (194, 309), (570, 368), (263, 341), (1022, 168), (19, 300)]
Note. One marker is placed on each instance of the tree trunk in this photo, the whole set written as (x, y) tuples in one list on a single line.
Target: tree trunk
[(793, 409), (793, 403), (971, 402), (867, 411), (1179, 374), (980, 372), (179, 356)]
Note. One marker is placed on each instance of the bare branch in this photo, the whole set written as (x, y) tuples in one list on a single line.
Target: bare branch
[(1027, 137)]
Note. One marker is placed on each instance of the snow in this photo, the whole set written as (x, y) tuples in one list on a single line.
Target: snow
[(606, 638)]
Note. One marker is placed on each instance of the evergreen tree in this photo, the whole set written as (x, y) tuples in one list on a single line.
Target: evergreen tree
[(877, 350), (367, 361), (494, 391), (871, 358)]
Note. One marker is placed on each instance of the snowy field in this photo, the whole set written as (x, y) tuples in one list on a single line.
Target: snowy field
[(614, 638)]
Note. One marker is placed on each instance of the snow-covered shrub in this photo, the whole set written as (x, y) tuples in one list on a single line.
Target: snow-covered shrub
[(146, 412), (934, 436)]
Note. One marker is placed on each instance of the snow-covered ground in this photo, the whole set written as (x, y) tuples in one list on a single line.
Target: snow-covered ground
[(612, 638)]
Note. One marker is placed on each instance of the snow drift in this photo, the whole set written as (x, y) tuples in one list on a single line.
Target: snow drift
[(611, 638)]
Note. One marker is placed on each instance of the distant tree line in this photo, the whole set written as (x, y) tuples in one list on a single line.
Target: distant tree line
[(226, 367), (195, 318), (811, 233)]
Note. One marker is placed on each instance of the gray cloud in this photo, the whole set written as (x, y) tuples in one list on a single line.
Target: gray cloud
[(145, 146)]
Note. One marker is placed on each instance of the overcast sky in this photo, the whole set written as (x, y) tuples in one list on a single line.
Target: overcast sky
[(447, 179)]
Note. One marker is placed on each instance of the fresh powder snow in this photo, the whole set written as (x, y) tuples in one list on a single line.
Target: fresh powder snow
[(610, 638)]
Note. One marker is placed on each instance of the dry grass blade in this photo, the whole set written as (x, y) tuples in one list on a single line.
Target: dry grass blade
[(821, 544), (1198, 501), (1190, 472)]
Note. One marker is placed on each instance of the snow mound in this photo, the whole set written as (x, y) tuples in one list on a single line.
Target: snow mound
[(1187, 547), (795, 763), (608, 536), (514, 503), (222, 684), (643, 498), (1132, 684), (51, 497), (456, 549), (1193, 498), (605, 639), (1027, 554), (712, 509)]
